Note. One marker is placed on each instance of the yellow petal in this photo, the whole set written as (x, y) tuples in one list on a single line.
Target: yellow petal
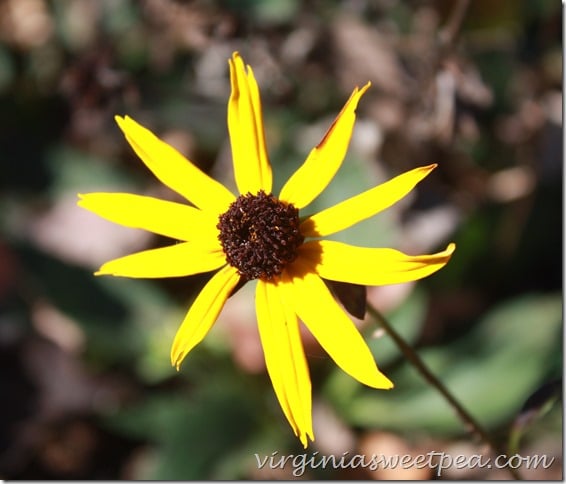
[(328, 323), (285, 358), (358, 208), (203, 313), (325, 159), (245, 124), (184, 259), (174, 170), (162, 217), (371, 267)]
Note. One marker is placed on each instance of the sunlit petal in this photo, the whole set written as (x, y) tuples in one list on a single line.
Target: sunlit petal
[(358, 208), (335, 332), (162, 217), (245, 124), (184, 259), (203, 313), (259, 235), (325, 159), (174, 170), (368, 266), (285, 358)]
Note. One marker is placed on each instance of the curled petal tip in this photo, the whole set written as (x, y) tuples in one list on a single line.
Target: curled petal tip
[(123, 121), (427, 168), (236, 59), (176, 360), (177, 363), (384, 383)]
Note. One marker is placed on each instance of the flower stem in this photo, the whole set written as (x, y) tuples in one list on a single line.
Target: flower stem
[(470, 422)]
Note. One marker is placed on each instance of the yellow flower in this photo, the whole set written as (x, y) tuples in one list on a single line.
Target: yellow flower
[(256, 235)]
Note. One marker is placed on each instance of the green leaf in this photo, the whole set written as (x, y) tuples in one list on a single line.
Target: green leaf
[(75, 171), (490, 371), (407, 320), (537, 405), (192, 435)]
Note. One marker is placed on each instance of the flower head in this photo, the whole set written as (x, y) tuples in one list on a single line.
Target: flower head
[(257, 235)]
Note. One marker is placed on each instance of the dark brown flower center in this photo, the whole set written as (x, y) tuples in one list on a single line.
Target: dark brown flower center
[(260, 235)]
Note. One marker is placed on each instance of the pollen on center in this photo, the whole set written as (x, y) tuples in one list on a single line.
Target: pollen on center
[(260, 235)]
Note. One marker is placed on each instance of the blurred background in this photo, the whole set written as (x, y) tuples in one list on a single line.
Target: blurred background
[(87, 388)]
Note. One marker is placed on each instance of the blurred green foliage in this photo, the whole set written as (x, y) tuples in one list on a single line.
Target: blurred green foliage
[(492, 371)]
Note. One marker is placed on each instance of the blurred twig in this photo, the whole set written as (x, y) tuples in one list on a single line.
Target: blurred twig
[(419, 364), (449, 33)]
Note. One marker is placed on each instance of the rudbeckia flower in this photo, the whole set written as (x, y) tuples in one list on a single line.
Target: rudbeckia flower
[(256, 235)]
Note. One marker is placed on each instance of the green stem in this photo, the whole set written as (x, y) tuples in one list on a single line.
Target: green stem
[(470, 422)]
